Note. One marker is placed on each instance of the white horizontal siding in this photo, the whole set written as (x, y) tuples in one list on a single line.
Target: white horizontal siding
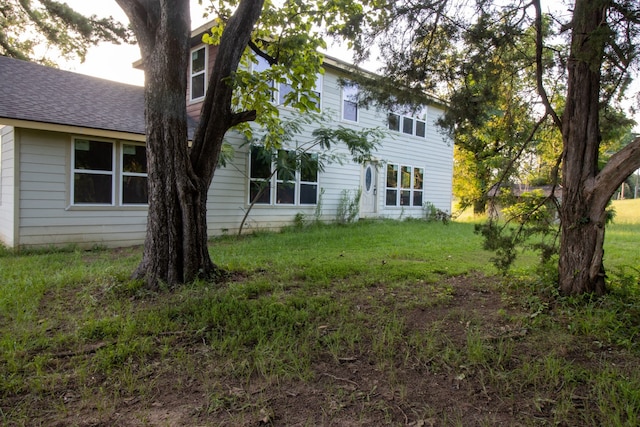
[(228, 196), (7, 185), (45, 217)]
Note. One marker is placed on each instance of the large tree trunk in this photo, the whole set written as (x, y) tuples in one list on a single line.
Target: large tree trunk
[(586, 190), (176, 241), (176, 248), (580, 265)]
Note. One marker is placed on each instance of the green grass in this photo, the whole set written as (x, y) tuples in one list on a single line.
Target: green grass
[(627, 211), (622, 239), (359, 318)]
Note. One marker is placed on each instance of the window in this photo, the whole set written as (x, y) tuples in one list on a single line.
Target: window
[(94, 173), (262, 65), (394, 122), (309, 179), (409, 125), (198, 73), (350, 102), (317, 90), (295, 179), (404, 186), (286, 178), (93, 170), (418, 183), (281, 91), (392, 185), (134, 175), (260, 176)]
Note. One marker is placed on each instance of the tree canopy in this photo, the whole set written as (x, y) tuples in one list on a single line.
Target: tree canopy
[(46, 30)]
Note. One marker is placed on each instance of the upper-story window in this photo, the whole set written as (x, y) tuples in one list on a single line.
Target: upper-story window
[(280, 92), (409, 125), (260, 66), (350, 102), (198, 73)]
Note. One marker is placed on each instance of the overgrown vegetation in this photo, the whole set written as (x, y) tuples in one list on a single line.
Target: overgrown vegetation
[(370, 323), (431, 213), (348, 206)]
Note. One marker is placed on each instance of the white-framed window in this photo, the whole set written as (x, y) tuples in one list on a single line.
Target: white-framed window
[(282, 179), (350, 102), (260, 175), (404, 185), (93, 172), (95, 166), (259, 66), (286, 178), (198, 73), (308, 178), (133, 182), (317, 90), (408, 125)]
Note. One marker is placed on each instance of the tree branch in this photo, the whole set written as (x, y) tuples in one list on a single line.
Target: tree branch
[(262, 54), (539, 68), (244, 116), (144, 16), (216, 116), (618, 168)]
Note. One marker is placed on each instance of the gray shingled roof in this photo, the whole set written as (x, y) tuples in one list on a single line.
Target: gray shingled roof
[(36, 93), (33, 92)]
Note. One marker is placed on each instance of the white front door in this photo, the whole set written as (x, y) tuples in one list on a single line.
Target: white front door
[(368, 199)]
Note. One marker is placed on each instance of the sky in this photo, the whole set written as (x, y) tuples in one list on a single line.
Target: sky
[(110, 61)]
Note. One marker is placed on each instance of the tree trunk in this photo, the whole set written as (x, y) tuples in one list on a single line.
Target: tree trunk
[(582, 217), (176, 244), (586, 190), (176, 248)]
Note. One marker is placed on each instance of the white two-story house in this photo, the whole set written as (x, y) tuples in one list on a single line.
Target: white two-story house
[(73, 162)]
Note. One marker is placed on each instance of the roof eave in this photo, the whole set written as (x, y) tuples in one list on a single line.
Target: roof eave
[(77, 130)]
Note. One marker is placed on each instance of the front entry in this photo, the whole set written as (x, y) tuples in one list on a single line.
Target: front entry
[(368, 199)]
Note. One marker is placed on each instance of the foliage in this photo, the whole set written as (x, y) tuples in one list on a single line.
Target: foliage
[(348, 206), (288, 37), (284, 36), (291, 153), (529, 221), (431, 213), (46, 31)]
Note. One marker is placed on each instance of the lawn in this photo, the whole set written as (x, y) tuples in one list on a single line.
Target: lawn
[(374, 323)]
